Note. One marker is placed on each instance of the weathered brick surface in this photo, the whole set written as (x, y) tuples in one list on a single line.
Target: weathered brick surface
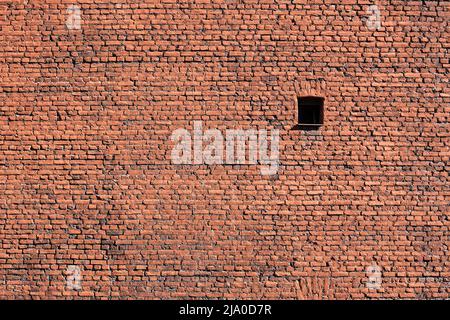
[(87, 180)]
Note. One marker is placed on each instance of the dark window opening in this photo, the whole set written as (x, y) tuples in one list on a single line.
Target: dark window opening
[(310, 111)]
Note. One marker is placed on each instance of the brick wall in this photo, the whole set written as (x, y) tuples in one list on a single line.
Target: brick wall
[(91, 205)]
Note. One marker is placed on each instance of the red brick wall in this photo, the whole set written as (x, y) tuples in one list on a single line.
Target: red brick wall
[(87, 180)]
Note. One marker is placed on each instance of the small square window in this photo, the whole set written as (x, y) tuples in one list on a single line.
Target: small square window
[(310, 111)]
